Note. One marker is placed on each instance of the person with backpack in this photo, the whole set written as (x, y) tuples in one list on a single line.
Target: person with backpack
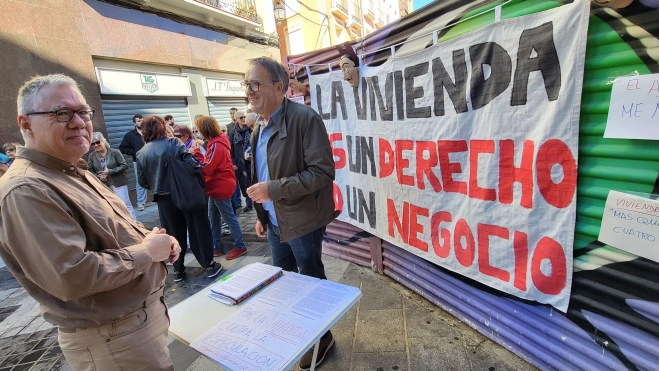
[(154, 172)]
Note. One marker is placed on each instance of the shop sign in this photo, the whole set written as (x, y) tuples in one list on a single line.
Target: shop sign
[(224, 88), (124, 82)]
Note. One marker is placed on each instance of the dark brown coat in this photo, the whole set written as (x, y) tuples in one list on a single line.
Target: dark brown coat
[(301, 168)]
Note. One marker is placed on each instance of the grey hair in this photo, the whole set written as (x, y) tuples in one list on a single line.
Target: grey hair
[(99, 136), (28, 93), (275, 69), (251, 116)]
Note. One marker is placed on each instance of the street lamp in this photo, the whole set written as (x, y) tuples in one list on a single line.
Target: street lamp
[(280, 14)]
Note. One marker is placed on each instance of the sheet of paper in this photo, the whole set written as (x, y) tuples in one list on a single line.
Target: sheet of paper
[(255, 339), (279, 294), (220, 298), (319, 304), (258, 338), (631, 223), (244, 280), (234, 342), (634, 108)]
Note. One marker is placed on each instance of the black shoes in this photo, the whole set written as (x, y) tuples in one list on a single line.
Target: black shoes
[(213, 270), (326, 343), (247, 209), (179, 276)]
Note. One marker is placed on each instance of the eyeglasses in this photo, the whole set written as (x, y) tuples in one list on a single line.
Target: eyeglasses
[(65, 114), (178, 135), (96, 143), (255, 85), (241, 117)]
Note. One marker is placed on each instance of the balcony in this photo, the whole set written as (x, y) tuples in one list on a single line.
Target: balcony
[(370, 12), (355, 19), (340, 9), (240, 13)]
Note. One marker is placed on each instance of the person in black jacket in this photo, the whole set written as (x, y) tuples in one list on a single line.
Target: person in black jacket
[(192, 222), (132, 143), (239, 140)]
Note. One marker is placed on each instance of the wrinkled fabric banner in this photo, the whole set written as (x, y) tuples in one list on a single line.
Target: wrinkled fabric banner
[(465, 153)]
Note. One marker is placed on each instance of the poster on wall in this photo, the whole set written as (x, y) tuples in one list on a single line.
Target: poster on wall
[(465, 153), (631, 223), (634, 108)]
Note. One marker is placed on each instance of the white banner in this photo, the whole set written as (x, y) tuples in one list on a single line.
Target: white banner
[(465, 153)]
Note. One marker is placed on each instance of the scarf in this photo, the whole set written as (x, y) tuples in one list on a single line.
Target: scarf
[(242, 135)]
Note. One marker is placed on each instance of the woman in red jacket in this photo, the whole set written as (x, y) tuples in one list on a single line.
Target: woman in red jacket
[(220, 179)]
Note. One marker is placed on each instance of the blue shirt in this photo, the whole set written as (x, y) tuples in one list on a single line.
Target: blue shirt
[(262, 160)]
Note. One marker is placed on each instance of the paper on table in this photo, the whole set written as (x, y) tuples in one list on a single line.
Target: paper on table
[(254, 339), (320, 303), (279, 294), (245, 280), (631, 223), (234, 342), (257, 338)]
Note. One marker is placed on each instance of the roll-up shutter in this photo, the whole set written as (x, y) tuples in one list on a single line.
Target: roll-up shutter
[(119, 119), (219, 108)]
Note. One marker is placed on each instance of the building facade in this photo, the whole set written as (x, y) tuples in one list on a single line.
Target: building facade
[(317, 24), (153, 57)]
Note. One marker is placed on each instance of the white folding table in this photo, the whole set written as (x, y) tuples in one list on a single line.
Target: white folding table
[(197, 314)]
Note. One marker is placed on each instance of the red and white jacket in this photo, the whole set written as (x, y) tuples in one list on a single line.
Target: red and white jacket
[(217, 168)]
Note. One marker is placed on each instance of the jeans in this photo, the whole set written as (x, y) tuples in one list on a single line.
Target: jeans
[(122, 193), (139, 191), (302, 254), (215, 218), (235, 198), (226, 211)]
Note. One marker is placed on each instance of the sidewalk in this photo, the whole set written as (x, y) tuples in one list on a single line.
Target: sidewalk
[(391, 328)]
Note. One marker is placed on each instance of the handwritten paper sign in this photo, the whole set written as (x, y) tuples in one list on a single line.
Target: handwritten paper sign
[(634, 108), (631, 223)]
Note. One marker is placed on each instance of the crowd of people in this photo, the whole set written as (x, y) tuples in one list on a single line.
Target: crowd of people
[(96, 272)]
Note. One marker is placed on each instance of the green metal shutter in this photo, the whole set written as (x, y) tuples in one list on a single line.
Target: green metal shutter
[(119, 119)]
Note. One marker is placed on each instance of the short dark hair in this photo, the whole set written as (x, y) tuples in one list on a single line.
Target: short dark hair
[(138, 116), (275, 69), (233, 109), (208, 127), (168, 117), (153, 128), (183, 130)]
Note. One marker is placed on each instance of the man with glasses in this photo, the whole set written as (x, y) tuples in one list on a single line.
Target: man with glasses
[(71, 243), (293, 172), (132, 143)]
